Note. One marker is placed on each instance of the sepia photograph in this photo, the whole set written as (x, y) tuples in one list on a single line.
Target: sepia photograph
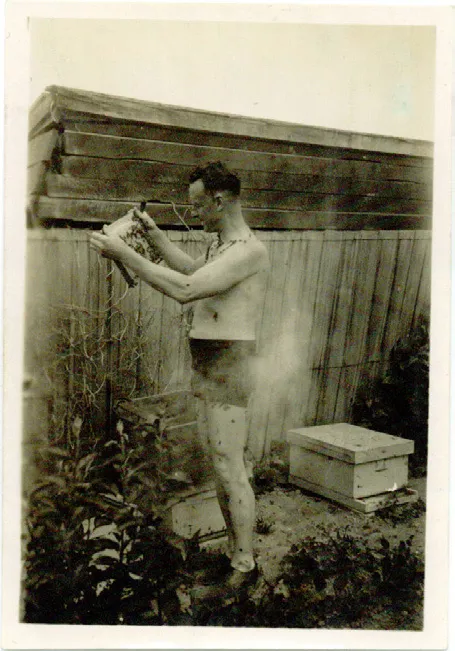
[(228, 229)]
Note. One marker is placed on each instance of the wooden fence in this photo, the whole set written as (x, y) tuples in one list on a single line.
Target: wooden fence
[(345, 217), (92, 155), (335, 304)]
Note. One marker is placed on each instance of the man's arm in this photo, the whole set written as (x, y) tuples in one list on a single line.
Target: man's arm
[(173, 255), (239, 262)]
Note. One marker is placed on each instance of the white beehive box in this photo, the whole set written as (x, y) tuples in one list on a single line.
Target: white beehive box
[(196, 510), (348, 463)]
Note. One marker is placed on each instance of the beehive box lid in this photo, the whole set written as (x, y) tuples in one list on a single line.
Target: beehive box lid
[(350, 443)]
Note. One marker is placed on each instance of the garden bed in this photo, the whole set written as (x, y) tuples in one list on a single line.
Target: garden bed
[(97, 552), (299, 534)]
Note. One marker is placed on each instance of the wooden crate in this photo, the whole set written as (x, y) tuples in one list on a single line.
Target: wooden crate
[(349, 463)]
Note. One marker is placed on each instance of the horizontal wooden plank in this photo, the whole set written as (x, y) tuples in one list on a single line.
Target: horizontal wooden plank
[(68, 187), (94, 212), (175, 179), (86, 123), (83, 144), (321, 175), (41, 148), (36, 179), (81, 235), (109, 147), (40, 115), (150, 112)]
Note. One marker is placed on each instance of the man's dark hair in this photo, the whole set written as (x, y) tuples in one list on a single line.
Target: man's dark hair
[(216, 177)]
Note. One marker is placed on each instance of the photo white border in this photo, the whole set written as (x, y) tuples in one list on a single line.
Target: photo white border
[(21, 636)]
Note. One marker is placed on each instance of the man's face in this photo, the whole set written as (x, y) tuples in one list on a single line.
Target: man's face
[(204, 206)]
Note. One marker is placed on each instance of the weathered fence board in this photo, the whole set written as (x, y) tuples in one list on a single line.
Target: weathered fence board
[(383, 289), (41, 148), (422, 304), (397, 291), (83, 211), (36, 179), (291, 358), (368, 250), (91, 124), (320, 174), (60, 186), (110, 147), (73, 104)]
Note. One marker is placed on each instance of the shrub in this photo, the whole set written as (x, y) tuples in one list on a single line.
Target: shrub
[(337, 582), (397, 404), (96, 552)]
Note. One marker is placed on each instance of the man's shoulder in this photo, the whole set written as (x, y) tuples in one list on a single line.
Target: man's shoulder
[(248, 250), (258, 248)]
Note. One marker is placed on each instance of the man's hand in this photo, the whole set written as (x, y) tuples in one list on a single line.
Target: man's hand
[(144, 219), (108, 246)]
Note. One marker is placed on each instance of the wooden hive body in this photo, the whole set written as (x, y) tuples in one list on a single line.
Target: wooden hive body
[(349, 461), (192, 506)]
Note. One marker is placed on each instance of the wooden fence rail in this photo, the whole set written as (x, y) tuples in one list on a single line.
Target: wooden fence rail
[(335, 304)]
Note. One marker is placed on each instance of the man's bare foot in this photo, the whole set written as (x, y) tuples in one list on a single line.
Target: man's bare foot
[(213, 573), (235, 584)]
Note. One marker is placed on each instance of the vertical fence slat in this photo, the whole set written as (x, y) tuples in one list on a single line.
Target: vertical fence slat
[(283, 338), (288, 351), (328, 395), (339, 340), (171, 322), (382, 293), (417, 262), (363, 294), (422, 304), (328, 284), (356, 338), (393, 329), (264, 367), (343, 298), (307, 323), (299, 336)]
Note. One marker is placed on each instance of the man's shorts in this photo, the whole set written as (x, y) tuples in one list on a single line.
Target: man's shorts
[(222, 370)]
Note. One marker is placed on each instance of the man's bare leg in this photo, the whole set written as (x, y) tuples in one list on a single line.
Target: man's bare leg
[(227, 431), (223, 500)]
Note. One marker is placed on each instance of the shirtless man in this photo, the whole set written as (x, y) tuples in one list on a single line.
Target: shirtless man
[(227, 284)]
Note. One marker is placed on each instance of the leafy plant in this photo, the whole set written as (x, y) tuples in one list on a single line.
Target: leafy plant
[(336, 582), (97, 552), (402, 512), (265, 478), (263, 527), (397, 404), (57, 575)]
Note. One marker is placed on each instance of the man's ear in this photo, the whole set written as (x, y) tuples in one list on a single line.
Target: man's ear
[(219, 200)]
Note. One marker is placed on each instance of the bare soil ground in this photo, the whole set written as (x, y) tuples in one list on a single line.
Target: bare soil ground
[(291, 514), (295, 514)]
